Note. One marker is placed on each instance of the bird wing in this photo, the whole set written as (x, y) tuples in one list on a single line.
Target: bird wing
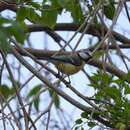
[(68, 59), (62, 58)]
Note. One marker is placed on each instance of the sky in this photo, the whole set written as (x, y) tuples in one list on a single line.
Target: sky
[(79, 81)]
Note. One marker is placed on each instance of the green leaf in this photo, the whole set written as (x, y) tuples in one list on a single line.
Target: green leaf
[(120, 126), (33, 16), (76, 128), (17, 30), (3, 40), (123, 85), (109, 11), (34, 4), (5, 91), (21, 14), (51, 92), (44, 1), (91, 124), (111, 1), (4, 20), (79, 121), (63, 3), (96, 86), (49, 16), (36, 103), (84, 115), (57, 101), (55, 97), (55, 4), (76, 12), (82, 128), (96, 1), (4, 34), (127, 90), (98, 54), (113, 92), (33, 92)]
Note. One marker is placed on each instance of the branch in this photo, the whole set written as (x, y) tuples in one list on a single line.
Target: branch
[(58, 90), (93, 30), (26, 116), (9, 4), (94, 62), (4, 7), (60, 77), (124, 46)]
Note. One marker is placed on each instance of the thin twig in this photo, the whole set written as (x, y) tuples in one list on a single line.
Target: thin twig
[(60, 92), (27, 117), (93, 14)]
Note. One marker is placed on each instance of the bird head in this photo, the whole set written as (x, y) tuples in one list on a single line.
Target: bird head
[(84, 54)]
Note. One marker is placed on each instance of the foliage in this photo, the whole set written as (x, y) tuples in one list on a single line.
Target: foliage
[(32, 93), (6, 92), (46, 14), (111, 93), (55, 98)]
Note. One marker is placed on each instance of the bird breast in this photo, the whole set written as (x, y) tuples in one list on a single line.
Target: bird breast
[(68, 69)]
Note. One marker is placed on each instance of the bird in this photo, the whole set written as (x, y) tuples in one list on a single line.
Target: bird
[(71, 63)]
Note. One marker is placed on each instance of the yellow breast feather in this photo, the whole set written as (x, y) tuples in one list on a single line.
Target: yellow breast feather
[(67, 68)]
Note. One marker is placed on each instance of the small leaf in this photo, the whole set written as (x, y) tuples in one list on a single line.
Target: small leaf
[(56, 4), (127, 90), (17, 30), (49, 16), (44, 1), (96, 1), (5, 91), (76, 128), (98, 54), (21, 14), (109, 11), (36, 103), (56, 98), (120, 126), (3, 40), (51, 92), (57, 101), (33, 92), (82, 128), (34, 4), (91, 124), (79, 121), (33, 16), (84, 115), (76, 12), (4, 20), (63, 3)]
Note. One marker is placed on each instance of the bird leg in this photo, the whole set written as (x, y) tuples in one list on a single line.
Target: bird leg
[(59, 73), (69, 79)]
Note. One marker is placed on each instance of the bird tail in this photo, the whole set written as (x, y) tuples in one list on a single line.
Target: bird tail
[(50, 59)]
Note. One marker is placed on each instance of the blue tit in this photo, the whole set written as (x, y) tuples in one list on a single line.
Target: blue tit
[(69, 64)]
